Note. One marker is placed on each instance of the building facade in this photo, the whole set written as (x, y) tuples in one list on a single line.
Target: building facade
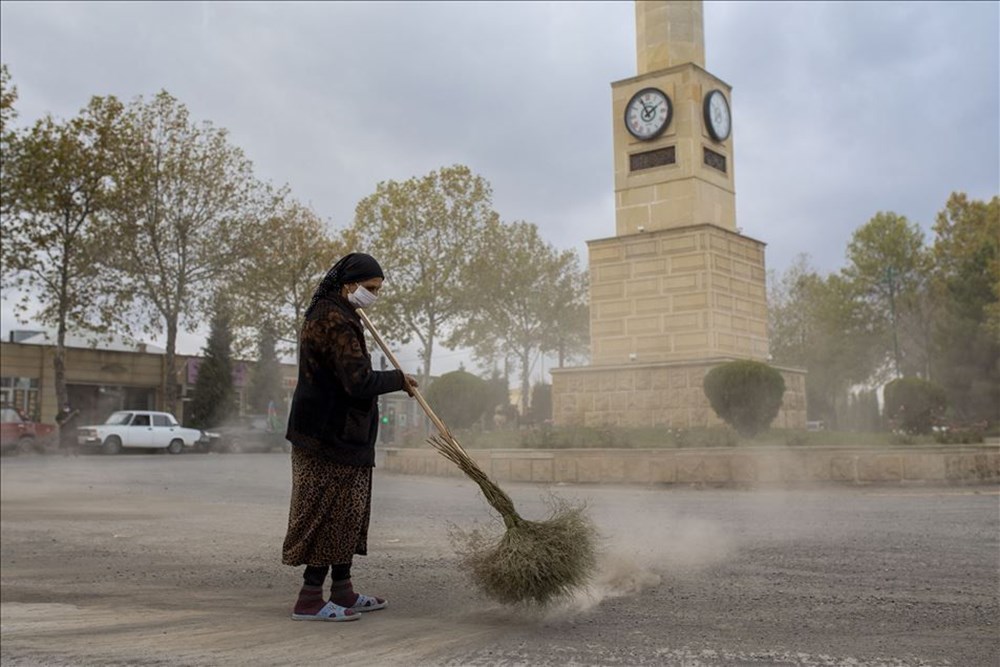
[(102, 378)]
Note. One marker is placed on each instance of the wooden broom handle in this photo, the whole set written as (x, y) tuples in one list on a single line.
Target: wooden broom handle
[(395, 362)]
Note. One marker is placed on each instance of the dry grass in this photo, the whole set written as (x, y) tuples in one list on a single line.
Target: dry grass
[(533, 562)]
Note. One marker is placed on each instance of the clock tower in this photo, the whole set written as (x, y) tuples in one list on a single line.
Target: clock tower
[(682, 174), (678, 289)]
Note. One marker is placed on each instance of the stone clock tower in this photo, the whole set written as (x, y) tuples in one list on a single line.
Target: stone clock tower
[(678, 289)]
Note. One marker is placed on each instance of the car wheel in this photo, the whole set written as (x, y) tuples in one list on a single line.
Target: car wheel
[(26, 445), (113, 445), (175, 446)]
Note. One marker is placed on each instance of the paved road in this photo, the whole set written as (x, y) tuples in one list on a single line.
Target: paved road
[(160, 560)]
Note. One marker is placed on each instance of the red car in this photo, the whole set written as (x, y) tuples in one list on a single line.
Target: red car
[(18, 433)]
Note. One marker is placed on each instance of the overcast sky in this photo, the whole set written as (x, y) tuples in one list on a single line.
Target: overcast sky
[(840, 110)]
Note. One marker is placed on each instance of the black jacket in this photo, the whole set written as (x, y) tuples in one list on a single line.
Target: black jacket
[(335, 407)]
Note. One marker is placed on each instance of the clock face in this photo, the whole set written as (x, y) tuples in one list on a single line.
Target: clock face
[(648, 113), (717, 117)]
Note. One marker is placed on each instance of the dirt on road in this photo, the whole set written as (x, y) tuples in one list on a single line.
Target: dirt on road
[(159, 560)]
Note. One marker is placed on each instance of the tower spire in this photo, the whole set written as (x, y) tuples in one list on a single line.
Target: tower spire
[(668, 33)]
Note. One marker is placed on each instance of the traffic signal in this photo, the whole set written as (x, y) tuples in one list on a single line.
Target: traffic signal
[(389, 426)]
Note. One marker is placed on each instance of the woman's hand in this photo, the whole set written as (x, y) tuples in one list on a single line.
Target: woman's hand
[(410, 384)]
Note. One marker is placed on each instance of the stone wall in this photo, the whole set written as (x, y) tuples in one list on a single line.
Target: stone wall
[(646, 395), (682, 294), (717, 466)]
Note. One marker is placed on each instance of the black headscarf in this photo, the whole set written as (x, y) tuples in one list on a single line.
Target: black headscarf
[(352, 268)]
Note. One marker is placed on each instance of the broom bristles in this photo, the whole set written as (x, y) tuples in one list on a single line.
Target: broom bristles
[(534, 561)]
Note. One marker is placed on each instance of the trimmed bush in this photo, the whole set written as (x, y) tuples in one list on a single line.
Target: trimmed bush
[(745, 394), (914, 405)]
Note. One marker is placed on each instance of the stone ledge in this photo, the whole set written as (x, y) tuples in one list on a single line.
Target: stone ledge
[(716, 466)]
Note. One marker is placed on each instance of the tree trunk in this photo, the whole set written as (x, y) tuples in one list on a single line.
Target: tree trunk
[(170, 370), (525, 380), (427, 352), (59, 358)]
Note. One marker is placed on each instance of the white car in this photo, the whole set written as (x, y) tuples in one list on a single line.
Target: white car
[(141, 429)]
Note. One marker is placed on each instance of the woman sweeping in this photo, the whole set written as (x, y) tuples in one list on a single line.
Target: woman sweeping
[(332, 426)]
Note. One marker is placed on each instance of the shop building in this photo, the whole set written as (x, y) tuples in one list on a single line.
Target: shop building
[(105, 375)]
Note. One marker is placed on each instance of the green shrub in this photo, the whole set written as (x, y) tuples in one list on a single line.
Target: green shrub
[(959, 434), (796, 438), (914, 405), (460, 398), (745, 394)]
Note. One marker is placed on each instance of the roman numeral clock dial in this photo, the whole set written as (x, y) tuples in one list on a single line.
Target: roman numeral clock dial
[(648, 114)]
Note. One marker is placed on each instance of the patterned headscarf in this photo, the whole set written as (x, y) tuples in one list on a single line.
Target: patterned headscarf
[(352, 268)]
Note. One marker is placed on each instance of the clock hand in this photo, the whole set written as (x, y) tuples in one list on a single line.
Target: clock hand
[(649, 111)]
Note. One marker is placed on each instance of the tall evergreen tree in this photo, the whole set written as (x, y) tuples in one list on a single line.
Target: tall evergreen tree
[(265, 383), (213, 396)]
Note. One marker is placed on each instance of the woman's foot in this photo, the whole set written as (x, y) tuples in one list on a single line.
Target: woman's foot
[(368, 603), (329, 612), (312, 607), (342, 593)]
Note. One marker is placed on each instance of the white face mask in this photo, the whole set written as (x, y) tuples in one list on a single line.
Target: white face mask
[(361, 297)]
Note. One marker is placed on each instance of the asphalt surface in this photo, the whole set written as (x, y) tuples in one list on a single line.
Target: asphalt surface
[(175, 560)]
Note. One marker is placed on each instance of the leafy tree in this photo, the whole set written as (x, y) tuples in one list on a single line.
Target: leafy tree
[(568, 333), (8, 97), (186, 209), (423, 231), (265, 381), (888, 267), (790, 320), (512, 302), (56, 185), (914, 404), (279, 274), (213, 399), (745, 394), (821, 325), (966, 281), (460, 398)]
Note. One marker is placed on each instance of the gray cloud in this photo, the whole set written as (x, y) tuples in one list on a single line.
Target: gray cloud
[(840, 109)]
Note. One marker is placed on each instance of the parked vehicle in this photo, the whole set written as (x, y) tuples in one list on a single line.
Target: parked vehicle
[(142, 429), (251, 433), (20, 434)]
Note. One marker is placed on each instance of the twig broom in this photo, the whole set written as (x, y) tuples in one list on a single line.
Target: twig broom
[(534, 561)]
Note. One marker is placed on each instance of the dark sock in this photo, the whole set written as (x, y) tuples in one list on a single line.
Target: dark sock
[(310, 600), (340, 571), (315, 575), (342, 593)]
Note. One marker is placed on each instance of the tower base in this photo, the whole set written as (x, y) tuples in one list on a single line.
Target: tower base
[(667, 394)]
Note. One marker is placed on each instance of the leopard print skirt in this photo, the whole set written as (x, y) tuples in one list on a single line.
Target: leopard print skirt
[(329, 513)]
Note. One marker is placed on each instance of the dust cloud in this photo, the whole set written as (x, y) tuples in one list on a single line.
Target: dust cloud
[(640, 551)]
